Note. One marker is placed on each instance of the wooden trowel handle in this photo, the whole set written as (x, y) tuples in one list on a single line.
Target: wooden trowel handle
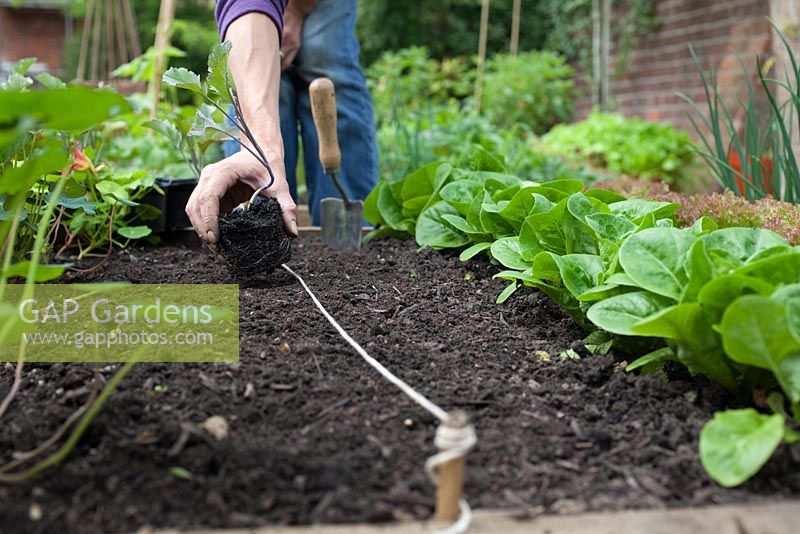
[(323, 108)]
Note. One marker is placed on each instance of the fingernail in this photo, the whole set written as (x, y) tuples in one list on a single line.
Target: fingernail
[(210, 237), (293, 228)]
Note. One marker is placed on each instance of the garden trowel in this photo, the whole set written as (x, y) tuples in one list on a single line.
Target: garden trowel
[(341, 218)]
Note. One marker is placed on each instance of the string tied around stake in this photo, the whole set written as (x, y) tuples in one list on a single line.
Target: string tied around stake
[(454, 437)]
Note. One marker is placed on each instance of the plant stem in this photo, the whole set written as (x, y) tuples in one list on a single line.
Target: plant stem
[(76, 434)]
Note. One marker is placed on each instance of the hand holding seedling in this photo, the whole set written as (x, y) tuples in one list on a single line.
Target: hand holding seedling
[(249, 58), (231, 182)]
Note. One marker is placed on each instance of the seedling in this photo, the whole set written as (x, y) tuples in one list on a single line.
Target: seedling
[(252, 240)]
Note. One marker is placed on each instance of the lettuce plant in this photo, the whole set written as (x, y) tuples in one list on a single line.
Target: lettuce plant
[(724, 302)]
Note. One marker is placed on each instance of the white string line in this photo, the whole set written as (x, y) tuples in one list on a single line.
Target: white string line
[(452, 442), (405, 388)]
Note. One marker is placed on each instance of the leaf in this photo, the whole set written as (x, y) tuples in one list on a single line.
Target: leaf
[(461, 193), (737, 443), (755, 331), (168, 130), (16, 82), (637, 209), (180, 472), (611, 227), (654, 259), (219, 78), (579, 272), (743, 244), (204, 120), (89, 208), (183, 78), (699, 346), (477, 158), (720, 292), (703, 225), (506, 293), (664, 354), (22, 65), (433, 231), (391, 211), (49, 81), (604, 195), (473, 251), (44, 272), (507, 252), (619, 314), (134, 232), (74, 108), (21, 178)]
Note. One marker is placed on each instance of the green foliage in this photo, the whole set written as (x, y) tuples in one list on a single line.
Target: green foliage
[(409, 80), (758, 159), (48, 176), (725, 303), (448, 28), (624, 146), (535, 89)]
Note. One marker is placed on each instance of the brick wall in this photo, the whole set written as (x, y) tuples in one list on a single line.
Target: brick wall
[(32, 33), (721, 31)]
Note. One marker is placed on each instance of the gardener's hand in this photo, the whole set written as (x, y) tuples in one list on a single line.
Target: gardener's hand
[(226, 184)]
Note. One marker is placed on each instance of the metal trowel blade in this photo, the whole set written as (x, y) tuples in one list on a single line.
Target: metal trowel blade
[(341, 225)]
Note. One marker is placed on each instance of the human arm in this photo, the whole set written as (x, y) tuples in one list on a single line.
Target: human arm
[(255, 67), (296, 13)]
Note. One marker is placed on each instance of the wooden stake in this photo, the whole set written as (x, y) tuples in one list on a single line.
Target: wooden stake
[(133, 33), (451, 478), (515, 16), (484, 34), (96, 36), (163, 32), (87, 22)]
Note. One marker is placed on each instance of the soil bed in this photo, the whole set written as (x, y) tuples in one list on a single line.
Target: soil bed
[(317, 436)]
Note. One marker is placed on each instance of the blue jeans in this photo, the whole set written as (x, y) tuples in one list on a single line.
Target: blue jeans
[(329, 48)]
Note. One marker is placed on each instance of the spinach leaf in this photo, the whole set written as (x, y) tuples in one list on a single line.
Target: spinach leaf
[(737, 443)]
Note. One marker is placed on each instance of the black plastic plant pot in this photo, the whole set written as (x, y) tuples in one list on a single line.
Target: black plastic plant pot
[(172, 204)]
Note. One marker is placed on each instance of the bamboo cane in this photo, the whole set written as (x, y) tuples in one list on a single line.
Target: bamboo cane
[(166, 16), (515, 19), (484, 33)]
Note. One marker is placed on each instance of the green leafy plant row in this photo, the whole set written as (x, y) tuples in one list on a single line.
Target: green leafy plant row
[(725, 303)]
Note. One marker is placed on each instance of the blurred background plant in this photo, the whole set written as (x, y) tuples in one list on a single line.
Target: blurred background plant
[(623, 145), (534, 89), (89, 206), (753, 156)]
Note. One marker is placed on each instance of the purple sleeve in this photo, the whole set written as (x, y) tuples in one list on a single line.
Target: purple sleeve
[(229, 10)]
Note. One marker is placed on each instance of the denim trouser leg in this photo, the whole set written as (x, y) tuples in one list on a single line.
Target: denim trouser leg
[(289, 132), (329, 48)]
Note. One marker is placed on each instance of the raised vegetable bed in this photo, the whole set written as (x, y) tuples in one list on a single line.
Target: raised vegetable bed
[(316, 436)]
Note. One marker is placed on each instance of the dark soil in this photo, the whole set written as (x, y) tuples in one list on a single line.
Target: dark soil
[(317, 436), (253, 240)]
